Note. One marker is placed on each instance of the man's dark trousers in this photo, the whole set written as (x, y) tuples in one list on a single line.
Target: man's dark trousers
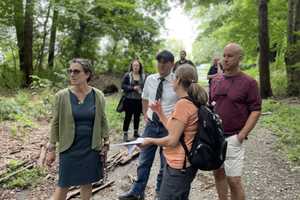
[(155, 130)]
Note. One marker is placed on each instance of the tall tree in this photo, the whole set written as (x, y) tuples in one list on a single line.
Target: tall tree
[(264, 71), (42, 47), (53, 36), (18, 16), (292, 57), (28, 38)]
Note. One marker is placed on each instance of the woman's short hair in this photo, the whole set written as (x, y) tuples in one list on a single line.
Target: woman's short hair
[(86, 66)]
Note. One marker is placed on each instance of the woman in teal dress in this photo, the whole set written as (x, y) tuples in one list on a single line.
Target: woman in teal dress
[(79, 127)]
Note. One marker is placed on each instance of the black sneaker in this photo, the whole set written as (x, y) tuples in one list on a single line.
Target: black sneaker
[(125, 137), (130, 196), (136, 135)]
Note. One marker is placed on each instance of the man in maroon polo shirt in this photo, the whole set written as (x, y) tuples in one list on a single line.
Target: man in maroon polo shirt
[(238, 103)]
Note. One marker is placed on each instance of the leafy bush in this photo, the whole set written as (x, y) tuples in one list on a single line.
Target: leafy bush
[(10, 77), (38, 83), (8, 108), (278, 78)]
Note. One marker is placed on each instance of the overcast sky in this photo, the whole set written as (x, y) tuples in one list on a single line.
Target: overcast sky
[(181, 27)]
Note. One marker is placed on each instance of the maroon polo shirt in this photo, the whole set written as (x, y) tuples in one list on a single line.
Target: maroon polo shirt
[(235, 97)]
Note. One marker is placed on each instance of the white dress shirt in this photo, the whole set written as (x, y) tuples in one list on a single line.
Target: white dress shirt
[(169, 97)]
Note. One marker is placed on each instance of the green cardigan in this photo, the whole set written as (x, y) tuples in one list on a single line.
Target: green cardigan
[(63, 126)]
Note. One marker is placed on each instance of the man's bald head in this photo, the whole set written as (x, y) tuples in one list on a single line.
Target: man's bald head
[(232, 56), (236, 48)]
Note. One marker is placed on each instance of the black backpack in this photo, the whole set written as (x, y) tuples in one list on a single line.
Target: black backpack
[(209, 146)]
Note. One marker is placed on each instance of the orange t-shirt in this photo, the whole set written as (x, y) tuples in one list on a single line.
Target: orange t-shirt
[(186, 112)]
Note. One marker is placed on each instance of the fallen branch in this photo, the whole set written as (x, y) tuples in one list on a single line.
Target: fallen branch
[(209, 186), (131, 178), (42, 157), (16, 167), (16, 172), (126, 159), (266, 113), (102, 187), (96, 189), (14, 152)]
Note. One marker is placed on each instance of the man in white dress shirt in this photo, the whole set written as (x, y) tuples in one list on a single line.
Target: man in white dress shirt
[(157, 87)]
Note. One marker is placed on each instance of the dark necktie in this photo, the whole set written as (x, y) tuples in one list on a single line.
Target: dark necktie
[(158, 96)]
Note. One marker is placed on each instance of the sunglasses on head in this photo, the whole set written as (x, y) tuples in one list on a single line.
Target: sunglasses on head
[(82, 62), (74, 71)]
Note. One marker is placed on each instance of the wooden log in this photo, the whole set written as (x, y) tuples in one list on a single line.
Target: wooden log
[(42, 157), (113, 156), (94, 190), (126, 159)]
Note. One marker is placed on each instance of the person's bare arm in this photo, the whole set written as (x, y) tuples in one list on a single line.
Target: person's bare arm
[(172, 139), (145, 103), (211, 76), (249, 125)]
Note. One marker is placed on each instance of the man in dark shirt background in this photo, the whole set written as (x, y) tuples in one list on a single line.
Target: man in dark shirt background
[(213, 71), (236, 98), (182, 60)]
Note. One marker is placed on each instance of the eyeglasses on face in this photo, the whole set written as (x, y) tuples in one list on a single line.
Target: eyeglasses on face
[(74, 71)]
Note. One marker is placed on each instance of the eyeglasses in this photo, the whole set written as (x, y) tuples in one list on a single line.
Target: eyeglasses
[(74, 71)]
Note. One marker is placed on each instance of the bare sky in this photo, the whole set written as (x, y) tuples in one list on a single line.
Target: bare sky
[(181, 27)]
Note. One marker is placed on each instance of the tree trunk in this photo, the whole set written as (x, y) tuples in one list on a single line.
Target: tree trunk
[(292, 56), (264, 72), (78, 43), (53, 37), (28, 35), (19, 26), (42, 49)]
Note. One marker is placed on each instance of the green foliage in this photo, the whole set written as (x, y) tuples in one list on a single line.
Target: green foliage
[(8, 108), (110, 33), (25, 179), (38, 83), (236, 21), (284, 121), (253, 72), (278, 78), (10, 77), (26, 107)]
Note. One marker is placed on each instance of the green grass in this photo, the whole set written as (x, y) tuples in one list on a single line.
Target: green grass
[(285, 122), (115, 119)]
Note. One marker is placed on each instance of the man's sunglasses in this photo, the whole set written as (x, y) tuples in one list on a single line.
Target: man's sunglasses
[(74, 71)]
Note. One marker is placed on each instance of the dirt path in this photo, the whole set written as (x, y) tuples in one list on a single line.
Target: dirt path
[(267, 175)]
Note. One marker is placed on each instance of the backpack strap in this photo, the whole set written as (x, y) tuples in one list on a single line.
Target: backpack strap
[(182, 135), (182, 139), (185, 149)]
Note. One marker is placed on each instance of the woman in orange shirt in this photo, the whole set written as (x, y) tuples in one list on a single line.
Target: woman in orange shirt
[(184, 120)]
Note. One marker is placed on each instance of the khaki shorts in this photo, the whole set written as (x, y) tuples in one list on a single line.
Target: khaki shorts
[(234, 162)]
